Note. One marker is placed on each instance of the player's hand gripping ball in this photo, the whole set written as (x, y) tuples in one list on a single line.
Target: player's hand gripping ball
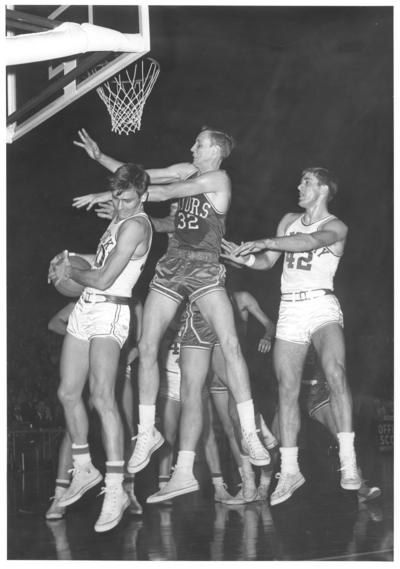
[(65, 285)]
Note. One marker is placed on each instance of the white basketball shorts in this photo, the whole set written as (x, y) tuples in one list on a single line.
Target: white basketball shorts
[(298, 321), (90, 320)]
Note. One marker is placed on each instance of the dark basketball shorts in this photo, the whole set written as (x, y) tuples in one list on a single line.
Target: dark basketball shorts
[(188, 274), (314, 397), (195, 332)]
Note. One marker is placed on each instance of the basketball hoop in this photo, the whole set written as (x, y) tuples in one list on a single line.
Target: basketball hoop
[(126, 93)]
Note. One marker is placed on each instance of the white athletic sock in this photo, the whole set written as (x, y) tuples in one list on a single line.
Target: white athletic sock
[(147, 416), (185, 460), (217, 480), (246, 415), (114, 472), (80, 454), (346, 443), (289, 460)]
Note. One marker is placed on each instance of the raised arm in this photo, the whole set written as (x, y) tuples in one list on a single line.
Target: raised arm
[(94, 152)]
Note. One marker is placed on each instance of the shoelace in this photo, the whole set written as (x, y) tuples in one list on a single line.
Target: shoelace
[(282, 477), (140, 439), (110, 497), (351, 469), (252, 439)]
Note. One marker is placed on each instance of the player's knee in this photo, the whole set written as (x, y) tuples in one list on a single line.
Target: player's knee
[(230, 347), (191, 393), (148, 351), (288, 391), (67, 397), (102, 400)]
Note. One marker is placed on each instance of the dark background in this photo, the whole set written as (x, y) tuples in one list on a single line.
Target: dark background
[(296, 87)]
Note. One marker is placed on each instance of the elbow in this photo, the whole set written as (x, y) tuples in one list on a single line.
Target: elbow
[(104, 283)]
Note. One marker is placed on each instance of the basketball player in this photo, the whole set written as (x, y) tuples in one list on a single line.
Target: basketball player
[(189, 270), (58, 324), (313, 243), (97, 329), (188, 365)]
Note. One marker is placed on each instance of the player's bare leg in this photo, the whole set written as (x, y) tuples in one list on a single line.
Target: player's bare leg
[(329, 344), (216, 308), (104, 357), (159, 310), (194, 364), (64, 466), (289, 360), (170, 410), (74, 367), (211, 451)]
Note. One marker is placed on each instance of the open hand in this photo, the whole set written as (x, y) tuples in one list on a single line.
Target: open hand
[(229, 253), (89, 200), (250, 247), (88, 144), (264, 345)]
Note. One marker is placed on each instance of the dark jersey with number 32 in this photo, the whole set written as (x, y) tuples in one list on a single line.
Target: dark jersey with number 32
[(198, 225), (311, 269)]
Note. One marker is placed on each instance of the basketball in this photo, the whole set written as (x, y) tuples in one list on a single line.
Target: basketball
[(68, 287)]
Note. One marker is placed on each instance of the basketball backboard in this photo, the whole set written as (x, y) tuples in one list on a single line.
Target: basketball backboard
[(68, 50)]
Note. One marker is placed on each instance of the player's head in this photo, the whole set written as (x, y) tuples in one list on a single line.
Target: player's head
[(224, 141), (128, 185), (130, 177), (325, 178)]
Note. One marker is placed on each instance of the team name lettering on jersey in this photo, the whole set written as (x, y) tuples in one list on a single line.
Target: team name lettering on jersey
[(190, 210)]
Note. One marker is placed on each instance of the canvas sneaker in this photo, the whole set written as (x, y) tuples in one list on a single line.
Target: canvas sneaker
[(258, 455), (350, 478), (56, 512), (115, 503), (147, 442), (181, 482), (286, 486), (221, 494), (84, 477)]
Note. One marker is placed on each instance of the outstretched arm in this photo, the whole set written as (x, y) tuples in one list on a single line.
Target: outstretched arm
[(216, 184), (166, 175), (334, 231), (260, 262)]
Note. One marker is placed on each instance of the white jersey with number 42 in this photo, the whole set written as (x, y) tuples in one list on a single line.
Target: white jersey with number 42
[(309, 270)]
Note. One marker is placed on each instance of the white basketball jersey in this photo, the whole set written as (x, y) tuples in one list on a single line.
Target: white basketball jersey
[(123, 284), (311, 269)]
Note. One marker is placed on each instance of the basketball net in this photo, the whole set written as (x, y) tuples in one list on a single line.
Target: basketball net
[(126, 93)]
